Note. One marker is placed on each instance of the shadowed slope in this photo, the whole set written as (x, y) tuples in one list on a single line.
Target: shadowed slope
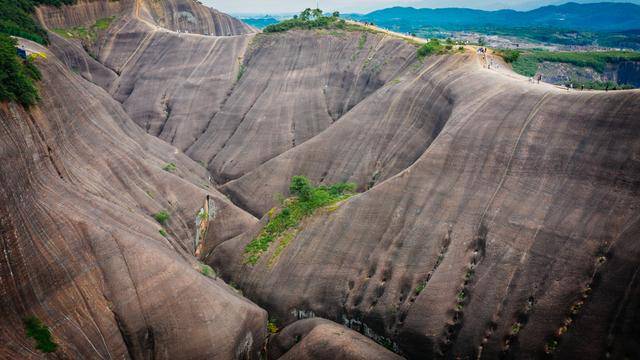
[(81, 250), (295, 85)]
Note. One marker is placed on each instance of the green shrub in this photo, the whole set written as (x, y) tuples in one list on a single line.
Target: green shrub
[(203, 215), (17, 76), (16, 18), (40, 333), (207, 271), (307, 198), (508, 55), (307, 20), (170, 167), (241, 72), (420, 287), (162, 217), (272, 327), (163, 232), (430, 48)]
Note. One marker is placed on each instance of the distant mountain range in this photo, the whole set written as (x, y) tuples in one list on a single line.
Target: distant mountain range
[(607, 16), (522, 5)]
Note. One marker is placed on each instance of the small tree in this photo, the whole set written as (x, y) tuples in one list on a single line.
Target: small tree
[(306, 14), (40, 333), (162, 217), (301, 187), (336, 14)]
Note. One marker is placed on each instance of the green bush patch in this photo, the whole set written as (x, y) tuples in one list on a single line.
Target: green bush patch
[(17, 76), (272, 327), (162, 217), (508, 55), (306, 199), (89, 35), (170, 167), (207, 271), (16, 18), (40, 333), (433, 47), (307, 20)]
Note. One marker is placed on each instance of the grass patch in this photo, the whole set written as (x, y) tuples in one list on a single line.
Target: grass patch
[(284, 241), (40, 333), (272, 327), (362, 41), (306, 199), (170, 167), (433, 47), (90, 34), (509, 56), (18, 76), (207, 271), (163, 232), (241, 72), (420, 288), (162, 217)]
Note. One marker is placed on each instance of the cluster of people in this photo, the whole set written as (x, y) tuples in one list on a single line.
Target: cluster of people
[(538, 78)]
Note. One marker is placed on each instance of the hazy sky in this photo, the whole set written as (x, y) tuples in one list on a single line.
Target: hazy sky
[(282, 6), (363, 6)]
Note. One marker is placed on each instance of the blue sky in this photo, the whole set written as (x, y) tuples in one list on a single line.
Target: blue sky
[(363, 6)]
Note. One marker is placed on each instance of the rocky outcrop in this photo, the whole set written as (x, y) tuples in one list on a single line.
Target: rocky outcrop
[(176, 15), (624, 73), (81, 250), (512, 233), (82, 13), (192, 17), (322, 339)]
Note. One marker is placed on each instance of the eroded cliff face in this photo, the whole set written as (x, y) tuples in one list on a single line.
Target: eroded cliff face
[(83, 13), (497, 217), (176, 15), (192, 17), (81, 250)]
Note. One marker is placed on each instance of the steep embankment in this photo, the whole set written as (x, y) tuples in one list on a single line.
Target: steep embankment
[(81, 249), (510, 231)]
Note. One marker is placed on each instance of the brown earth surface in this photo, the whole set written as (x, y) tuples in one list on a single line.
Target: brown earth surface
[(496, 218)]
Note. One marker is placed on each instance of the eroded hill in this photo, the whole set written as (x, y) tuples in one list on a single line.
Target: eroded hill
[(494, 217)]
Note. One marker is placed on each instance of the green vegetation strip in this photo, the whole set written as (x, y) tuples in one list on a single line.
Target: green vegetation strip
[(82, 33), (40, 333), (435, 47), (16, 18), (17, 76), (307, 198), (308, 20)]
